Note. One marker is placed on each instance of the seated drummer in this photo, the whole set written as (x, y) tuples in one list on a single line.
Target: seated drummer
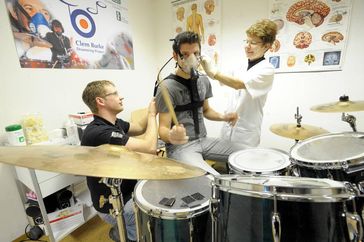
[(105, 103), (189, 93)]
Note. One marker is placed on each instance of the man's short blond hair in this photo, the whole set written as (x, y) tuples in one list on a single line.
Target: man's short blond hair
[(93, 90), (265, 29)]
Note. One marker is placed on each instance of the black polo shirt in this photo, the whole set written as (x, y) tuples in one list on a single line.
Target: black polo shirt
[(99, 132)]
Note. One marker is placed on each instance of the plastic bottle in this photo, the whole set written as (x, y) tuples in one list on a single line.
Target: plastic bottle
[(72, 132), (15, 135)]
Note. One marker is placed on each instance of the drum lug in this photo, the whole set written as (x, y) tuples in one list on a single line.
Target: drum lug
[(361, 186), (150, 230), (276, 227), (356, 231), (191, 229), (276, 220), (213, 206), (345, 165), (329, 175), (214, 203), (353, 188), (137, 215), (293, 170)]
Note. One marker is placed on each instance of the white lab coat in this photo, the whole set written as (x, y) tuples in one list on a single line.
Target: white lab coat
[(249, 103)]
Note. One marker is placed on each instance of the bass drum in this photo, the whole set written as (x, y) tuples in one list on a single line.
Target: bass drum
[(338, 156), (28, 63), (286, 209), (259, 161), (174, 210)]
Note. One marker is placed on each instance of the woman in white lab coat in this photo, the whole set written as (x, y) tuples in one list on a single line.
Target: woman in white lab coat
[(251, 84)]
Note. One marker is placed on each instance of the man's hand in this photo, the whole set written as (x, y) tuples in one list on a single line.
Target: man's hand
[(231, 118), (177, 135), (152, 109), (209, 66)]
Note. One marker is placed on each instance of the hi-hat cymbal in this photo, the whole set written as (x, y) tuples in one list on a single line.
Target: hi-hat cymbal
[(32, 39), (104, 161), (343, 105), (297, 133)]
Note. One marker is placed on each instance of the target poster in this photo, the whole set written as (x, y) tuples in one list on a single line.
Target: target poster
[(77, 34), (202, 17), (312, 34)]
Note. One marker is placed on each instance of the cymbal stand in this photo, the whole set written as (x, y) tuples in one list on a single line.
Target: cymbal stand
[(117, 203), (349, 119), (298, 117)]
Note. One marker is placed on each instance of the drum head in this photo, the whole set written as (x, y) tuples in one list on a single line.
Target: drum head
[(262, 160), (191, 197), (285, 188), (330, 148), (39, 53)]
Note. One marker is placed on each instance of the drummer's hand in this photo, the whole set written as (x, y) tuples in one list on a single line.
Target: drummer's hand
[(152, 109), (231, 118), (177, 135)]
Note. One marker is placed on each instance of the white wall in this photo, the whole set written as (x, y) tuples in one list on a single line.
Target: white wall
[(56, 93)]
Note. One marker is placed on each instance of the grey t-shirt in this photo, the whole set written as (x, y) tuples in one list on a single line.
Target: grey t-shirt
[(180, 95)]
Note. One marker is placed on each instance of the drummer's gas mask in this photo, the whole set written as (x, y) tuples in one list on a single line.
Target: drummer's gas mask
[(190, 63)]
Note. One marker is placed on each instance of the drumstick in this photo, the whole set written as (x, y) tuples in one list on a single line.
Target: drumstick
[(168, 102)]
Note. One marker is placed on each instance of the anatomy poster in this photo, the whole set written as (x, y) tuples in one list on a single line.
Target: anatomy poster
[(202, 17), (82, 34), (312, 34)]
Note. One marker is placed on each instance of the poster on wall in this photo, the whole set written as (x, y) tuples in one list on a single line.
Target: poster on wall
[(312, 34), (202, 17), (77, 34)]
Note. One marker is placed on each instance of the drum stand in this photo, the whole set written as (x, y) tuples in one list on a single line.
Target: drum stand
[(214, 203), (349, 119), (62, 60), (117, 203), (298, 117)]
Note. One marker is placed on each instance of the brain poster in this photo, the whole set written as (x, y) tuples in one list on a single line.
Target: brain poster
[(312, 34), (77, 34)]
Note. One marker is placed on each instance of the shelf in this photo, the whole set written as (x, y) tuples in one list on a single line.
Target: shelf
[(88, 213), (45, 183), (49, 182)]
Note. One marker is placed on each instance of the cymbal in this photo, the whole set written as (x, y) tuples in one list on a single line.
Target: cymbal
[(103, 161), (32, 39), (343, 105), (297, 133)]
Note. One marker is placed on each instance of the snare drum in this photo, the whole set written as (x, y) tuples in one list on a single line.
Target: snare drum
[(282, 208), (259, 161), (174, 210), (338, 156)]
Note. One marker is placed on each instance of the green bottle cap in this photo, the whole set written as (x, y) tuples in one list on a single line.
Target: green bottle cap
[(13, 127)]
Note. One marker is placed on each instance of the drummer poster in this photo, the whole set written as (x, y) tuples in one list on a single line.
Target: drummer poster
[(312, 34), (202, 17), (81, 34)]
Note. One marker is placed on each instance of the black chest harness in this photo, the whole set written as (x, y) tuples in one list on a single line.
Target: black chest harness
[(195, 103)]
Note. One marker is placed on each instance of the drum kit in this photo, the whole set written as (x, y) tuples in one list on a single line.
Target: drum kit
[(38, 54), (37, 51), (314, 193), (311, 194)]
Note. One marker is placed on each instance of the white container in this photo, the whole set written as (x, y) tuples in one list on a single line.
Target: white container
[(82, 118), (15, 135), (72, 132)]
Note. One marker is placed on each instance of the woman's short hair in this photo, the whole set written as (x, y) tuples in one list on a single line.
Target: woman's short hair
[(265, 29)]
